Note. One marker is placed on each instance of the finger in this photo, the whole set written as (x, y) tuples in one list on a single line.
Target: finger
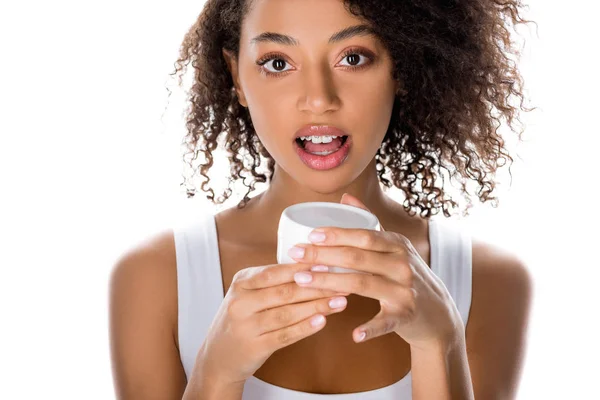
[(367, 239), (378, 326), (281, 338), (287, 293), (267, 275), (372, 286), (390, 265), (281, 317)]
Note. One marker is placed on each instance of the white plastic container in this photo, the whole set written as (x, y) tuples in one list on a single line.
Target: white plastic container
[(297, 221)]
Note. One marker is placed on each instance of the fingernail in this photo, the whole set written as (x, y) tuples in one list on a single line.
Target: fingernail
[(316, 237), (317, 320), (296, 252), (320, 268), (361, 337), (302, 277), (337, 302)]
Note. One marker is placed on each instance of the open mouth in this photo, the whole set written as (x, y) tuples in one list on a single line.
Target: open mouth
[(324, 156), (322, 149)]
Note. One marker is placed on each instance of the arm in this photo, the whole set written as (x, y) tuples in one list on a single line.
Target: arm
[(143, 330), (143, 318), (497, 328), (203, 387), (489, 357), (442, 373)]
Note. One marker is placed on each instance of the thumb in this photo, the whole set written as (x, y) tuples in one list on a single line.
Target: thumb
[(380, 325), (353, 201)]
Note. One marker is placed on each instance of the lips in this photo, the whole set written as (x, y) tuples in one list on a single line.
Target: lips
[(324, 156), (324, 162)]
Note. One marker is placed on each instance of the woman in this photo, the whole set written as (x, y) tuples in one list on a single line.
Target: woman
[(336, 95)]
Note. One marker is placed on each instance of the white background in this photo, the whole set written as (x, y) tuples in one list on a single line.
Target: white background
[(88, 168)]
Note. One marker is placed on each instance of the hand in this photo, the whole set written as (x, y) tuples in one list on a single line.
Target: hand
[(415, 303), (263, 311)]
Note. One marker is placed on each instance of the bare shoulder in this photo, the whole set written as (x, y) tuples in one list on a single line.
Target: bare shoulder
[(143, 321), (496, 332), (491, 258), (150, 266)]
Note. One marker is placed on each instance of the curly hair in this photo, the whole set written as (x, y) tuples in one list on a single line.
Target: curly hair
[(453, 58)]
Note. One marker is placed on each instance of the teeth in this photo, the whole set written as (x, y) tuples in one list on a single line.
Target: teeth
[(319, 139), (323, 153)]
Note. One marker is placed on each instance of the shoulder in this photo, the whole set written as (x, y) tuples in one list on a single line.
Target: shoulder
[(144, 276), (496, 331), (499, 274), (151, 256), (143, 320)]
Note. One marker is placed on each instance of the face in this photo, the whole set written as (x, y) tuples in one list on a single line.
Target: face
[(308, 79)]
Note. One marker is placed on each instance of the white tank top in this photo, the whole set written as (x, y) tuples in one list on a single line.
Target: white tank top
[(200, 293)]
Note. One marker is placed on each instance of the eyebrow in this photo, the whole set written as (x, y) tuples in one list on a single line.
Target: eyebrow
[(356, 30)]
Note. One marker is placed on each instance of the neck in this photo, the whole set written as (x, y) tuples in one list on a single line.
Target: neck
[(285, 191)]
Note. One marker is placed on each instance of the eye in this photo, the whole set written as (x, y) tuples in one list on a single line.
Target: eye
[(278, 64), (355, 57), (279, 61)]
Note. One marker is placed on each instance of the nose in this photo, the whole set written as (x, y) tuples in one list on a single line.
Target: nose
[(319, 94)]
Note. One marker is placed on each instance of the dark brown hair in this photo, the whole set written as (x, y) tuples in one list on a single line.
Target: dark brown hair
[(453, 58)]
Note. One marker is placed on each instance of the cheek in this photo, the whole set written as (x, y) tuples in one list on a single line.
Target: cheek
[(263, 98), (371, 106), (268, 111), (379, 94), (375, 102)]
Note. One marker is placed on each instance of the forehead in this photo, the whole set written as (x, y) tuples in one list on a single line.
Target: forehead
[(306, 20)]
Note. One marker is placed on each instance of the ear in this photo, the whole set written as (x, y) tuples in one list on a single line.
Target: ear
[(232, 65)]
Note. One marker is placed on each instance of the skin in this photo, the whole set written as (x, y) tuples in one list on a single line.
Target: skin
[(319, 88)]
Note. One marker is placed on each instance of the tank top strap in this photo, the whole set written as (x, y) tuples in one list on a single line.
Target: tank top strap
[(451, 260), (199, 284)]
